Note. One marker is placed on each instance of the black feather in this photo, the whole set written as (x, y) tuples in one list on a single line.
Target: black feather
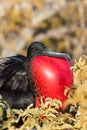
[(9, 66), (14, 86)]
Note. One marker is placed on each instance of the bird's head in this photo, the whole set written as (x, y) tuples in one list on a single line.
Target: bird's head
[(39, 49)]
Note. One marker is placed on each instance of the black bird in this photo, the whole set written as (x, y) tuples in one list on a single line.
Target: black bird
[(17, 86)]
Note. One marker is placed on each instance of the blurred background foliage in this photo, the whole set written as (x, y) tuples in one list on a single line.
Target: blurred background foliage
[(60, 24)]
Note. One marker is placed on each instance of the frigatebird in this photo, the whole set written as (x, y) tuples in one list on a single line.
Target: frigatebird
[(24, 79)]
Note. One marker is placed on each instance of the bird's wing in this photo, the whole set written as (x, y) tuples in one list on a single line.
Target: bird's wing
[(12, 72)]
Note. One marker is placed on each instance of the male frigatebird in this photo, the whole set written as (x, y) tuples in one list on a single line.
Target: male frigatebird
[(42, 73)]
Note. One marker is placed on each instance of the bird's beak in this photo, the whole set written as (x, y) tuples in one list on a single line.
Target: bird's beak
[(55, 54)]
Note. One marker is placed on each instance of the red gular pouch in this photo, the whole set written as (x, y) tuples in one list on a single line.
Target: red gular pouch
[(52, 76)]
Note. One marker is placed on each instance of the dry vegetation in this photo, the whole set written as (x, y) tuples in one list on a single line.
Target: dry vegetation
[(61, 25)]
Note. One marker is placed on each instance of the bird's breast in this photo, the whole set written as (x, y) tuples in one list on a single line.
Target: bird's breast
[(51, 75)]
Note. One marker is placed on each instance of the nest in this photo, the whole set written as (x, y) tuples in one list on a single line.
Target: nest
[(48, 116)]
